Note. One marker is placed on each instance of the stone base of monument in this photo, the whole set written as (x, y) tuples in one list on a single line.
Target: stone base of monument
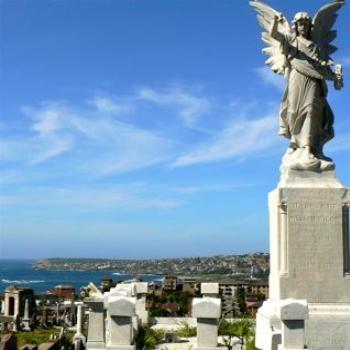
[(309, 265), (281, 325), (121, 347), (328, 326)]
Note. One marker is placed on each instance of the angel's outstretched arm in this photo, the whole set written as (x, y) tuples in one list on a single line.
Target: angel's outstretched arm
[(274, 33)]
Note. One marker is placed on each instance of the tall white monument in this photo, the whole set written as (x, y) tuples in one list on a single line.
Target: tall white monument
[(309, 301)]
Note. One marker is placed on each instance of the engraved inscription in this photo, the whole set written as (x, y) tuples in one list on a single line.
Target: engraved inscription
[(315, 226)]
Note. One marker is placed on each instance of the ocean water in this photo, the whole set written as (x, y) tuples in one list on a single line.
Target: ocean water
[(21, 273)]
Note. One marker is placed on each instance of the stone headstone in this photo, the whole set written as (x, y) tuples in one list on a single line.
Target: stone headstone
[(8, 342), (96, 324), (207, 311), (120, 313)]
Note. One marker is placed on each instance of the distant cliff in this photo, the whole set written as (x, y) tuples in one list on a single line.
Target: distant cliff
[(255, 263)]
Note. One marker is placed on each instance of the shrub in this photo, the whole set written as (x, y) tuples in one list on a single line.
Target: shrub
[(186, 331)]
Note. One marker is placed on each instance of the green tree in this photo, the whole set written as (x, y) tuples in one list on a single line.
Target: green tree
[(240, 299), (148, 338), (241, 329)]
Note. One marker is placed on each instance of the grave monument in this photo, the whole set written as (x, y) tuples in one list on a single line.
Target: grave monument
[(309, 301)]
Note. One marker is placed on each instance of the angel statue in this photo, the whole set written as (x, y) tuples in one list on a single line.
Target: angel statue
[(301, 52)]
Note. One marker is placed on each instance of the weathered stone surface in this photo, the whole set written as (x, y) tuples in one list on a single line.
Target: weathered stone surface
[(290, 310), (8, 342), (121, 306), (207, 310), (139, 288), (206, 307), (309, 245), (210, 288), (207, 332), (96, 327), (308, 258), (328, 327)]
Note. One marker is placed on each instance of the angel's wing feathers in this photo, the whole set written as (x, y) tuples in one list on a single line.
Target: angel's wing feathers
[(266, 15), (323, 22)]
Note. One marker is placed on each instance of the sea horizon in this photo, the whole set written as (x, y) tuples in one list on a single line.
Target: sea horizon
[(20, 273)]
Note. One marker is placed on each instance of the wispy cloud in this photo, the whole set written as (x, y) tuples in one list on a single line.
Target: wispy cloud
[(107, 137), (240, 138), (127, 196), (112, 105), (190, 107), (106, 144), (270, 78)]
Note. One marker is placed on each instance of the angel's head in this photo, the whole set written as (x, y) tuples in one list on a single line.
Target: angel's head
[(302, 24)]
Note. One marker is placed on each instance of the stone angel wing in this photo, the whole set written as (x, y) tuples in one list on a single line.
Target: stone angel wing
[(265, 14), (322, 32)]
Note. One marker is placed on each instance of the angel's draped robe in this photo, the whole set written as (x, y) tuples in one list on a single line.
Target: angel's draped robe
[(305, 117)]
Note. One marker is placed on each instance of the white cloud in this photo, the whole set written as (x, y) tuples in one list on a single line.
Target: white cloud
[(271, 78), (110, 105), (103, 144), (93, 140), (241, 138), (191, 107), (55, 147)]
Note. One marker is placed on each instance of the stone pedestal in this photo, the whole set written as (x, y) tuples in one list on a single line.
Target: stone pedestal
[(207, 311), (309, 252), (96, 328)]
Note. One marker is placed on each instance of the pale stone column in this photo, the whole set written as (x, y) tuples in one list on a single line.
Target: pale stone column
[(207, 311), (120, 312), (140, 290), (79, 318), (7, 305), (26, 319), (79, 338), (96, 327)]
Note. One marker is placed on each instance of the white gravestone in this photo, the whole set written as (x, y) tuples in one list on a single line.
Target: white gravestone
[(207, 311), (96, 327), (121, 310)]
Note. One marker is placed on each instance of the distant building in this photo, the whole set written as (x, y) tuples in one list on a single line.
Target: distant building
[(260, 287), (190, 286), (227, 290), (253, 304), (64, 291), (169, 283)]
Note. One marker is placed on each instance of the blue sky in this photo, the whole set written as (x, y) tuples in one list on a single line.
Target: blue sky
[(134, 128)]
